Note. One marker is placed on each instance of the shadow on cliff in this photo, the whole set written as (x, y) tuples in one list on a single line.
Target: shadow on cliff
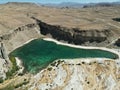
[(73, 35)]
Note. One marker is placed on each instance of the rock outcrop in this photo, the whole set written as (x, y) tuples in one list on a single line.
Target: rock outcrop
[(117, 43), (70, 35), (3, 54), (4, 61), (9, 35), (73, 35), (80, 74), (20, 35)]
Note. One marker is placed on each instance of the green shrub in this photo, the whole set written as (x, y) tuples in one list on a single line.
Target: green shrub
[(1, 80), (24, 83), (14, 67), (9, 87)]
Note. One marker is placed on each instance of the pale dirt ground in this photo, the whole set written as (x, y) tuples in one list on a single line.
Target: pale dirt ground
[(100, 18)]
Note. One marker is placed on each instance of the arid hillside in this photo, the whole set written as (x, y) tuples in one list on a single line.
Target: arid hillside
[(94, 21), (13, 15)]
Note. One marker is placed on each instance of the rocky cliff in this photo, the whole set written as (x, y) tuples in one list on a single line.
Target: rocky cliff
[(76, 36), (4, 62), (19, 36), (117, 43), (73, 35)]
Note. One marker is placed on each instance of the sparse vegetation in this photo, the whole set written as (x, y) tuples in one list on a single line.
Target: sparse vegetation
[(116, 19), (9, 87), (12, 87), (53, 64), (50, 68), (23, 83), (14, 68), (1, 80)]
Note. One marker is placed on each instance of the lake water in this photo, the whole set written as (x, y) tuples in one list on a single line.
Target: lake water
[(38, 53)]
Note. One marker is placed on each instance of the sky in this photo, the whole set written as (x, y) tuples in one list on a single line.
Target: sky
[(58, 1)]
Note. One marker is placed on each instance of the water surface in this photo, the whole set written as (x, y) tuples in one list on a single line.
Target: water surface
[(38, 53)]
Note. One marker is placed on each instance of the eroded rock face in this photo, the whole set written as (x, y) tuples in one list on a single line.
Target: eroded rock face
[(20, 35), (73, 35), (117, 43), (10, 34), (4, 61), (80, 74), (3, 69)]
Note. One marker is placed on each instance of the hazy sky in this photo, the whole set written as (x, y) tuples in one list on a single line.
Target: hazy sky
[(57, 1)]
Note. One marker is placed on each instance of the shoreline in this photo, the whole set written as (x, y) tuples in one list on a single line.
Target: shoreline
[(24, 43), (83, 47), (74, 46), (19, 61), (20, 65)]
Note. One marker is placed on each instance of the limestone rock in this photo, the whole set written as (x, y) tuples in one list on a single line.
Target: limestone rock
[(80, 74)]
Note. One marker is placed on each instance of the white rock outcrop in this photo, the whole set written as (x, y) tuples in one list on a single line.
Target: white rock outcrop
[(79, 74)]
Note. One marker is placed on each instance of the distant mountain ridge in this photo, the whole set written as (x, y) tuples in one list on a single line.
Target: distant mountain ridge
[(79, 5), (70, 4), (65, 4)]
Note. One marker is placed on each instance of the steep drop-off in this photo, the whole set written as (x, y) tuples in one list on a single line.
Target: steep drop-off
[(73, 35), (118, 42), (77, 36), (19, 36), (4, 62)]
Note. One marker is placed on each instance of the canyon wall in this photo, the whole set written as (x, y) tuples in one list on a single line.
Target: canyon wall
[(118, 42), (73, 35), (22, 34)]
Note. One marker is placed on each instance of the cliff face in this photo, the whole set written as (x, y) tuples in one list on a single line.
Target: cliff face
[(73, 35), (91, 23), (117, 43), (9, 35), (4, 61), (20, 35), (77, 36)]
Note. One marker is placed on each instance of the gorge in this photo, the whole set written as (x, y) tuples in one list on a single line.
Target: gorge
[(83, 47)]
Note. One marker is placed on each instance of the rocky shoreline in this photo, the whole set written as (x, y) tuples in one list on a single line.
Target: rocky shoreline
[(84, 47)]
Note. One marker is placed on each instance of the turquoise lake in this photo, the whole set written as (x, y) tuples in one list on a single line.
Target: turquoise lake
[(38, 53)]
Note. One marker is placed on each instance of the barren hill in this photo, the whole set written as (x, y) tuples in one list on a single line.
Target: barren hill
[(93, 22), (17, 14)]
